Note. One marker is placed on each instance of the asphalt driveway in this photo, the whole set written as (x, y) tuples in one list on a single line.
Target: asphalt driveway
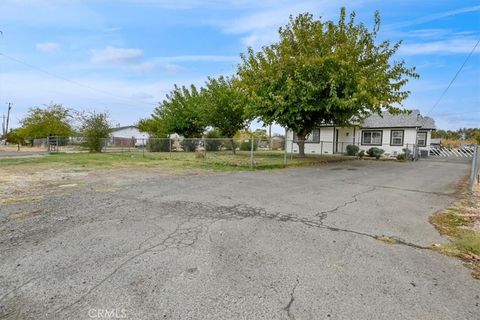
[(282, 244)]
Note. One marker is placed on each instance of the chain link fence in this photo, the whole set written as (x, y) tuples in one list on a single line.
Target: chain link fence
[(241, 152), (248, 151)]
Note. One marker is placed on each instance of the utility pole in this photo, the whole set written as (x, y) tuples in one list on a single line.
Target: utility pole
[(8, 117)]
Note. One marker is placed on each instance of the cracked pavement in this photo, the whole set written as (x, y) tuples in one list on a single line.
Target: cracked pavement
[(283, 244)]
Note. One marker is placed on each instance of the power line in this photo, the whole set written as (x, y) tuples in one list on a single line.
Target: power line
[(455, 77), (454, 113), (69, 80)]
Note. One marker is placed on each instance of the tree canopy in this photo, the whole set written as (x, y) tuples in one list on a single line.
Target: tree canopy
[(323, 72), (179, 113), (224, 106), (95, 128), (54, 120)]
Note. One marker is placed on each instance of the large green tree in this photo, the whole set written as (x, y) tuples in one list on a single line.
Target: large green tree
[(181, 113), (54, 120), (224, 107), (324, 72)]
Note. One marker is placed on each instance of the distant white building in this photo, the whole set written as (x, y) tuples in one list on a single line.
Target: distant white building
[(129, 136)]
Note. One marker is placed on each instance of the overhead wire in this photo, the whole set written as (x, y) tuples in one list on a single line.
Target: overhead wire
[(454, 77)]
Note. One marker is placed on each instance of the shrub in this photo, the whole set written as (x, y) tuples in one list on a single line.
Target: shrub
[(228, 143), (352, 150), (246, 145), (375, 152), (158, 145), (189, 145), (199, 155), (213, 143), (401, 157), (361, 154), (95, 129)]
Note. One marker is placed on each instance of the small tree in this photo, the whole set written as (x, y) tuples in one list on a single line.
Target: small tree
[(224, 107), (95, 128), (155, 128), (477, 137), (181, 113), (16, 136), (54, 120)]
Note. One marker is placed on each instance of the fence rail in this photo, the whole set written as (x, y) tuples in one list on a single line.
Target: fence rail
[(474, 173), (465, 151)]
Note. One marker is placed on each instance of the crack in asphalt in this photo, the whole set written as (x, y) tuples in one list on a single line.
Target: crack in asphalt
[(172, 240), (183, 236), (441, 194), (17, 288), (292, 299), (323, 214)]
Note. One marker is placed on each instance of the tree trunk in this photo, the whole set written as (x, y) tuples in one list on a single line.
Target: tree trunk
[(232, 143), (301, 143)]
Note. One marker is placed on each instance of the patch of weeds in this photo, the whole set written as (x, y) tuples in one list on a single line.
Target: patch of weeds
[(386, 239), (26, 215), (458, 222), (467, 242), (449, 223), (20, 200)]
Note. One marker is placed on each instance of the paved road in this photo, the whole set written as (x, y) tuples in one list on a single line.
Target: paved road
[(282, 244)]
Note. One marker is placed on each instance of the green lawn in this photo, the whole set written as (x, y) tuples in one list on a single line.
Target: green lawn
[(220, 160)]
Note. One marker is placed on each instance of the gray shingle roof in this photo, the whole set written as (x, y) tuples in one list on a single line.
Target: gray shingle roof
[(388, 120)]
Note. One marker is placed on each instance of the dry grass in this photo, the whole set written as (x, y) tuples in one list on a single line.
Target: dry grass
[(220, 160), (16, 200), (386, 239), (461, 223)]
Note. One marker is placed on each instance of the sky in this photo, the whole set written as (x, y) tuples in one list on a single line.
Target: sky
[(123, 56)]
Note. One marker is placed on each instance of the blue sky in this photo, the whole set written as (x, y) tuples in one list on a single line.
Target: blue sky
[(122, 56)]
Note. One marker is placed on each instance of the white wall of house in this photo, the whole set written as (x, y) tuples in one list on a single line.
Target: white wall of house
[(129, 133), (335, 140)]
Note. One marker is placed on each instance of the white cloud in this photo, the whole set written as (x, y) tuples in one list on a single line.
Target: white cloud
[(433, 17), (173, 68), (450, 46), (197, 58), (259, 26), (114, 55), (47, 47), (141, 67), (141, 95)]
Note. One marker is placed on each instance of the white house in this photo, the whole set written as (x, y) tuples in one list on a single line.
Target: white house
[(128, 136), (392, 133)]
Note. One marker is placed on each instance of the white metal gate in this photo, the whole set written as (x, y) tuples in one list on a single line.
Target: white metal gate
[(462, 151)]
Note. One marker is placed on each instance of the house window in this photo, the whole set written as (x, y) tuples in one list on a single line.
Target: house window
[(396, 138), (372, 137), (312, 137), (421, 139)]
